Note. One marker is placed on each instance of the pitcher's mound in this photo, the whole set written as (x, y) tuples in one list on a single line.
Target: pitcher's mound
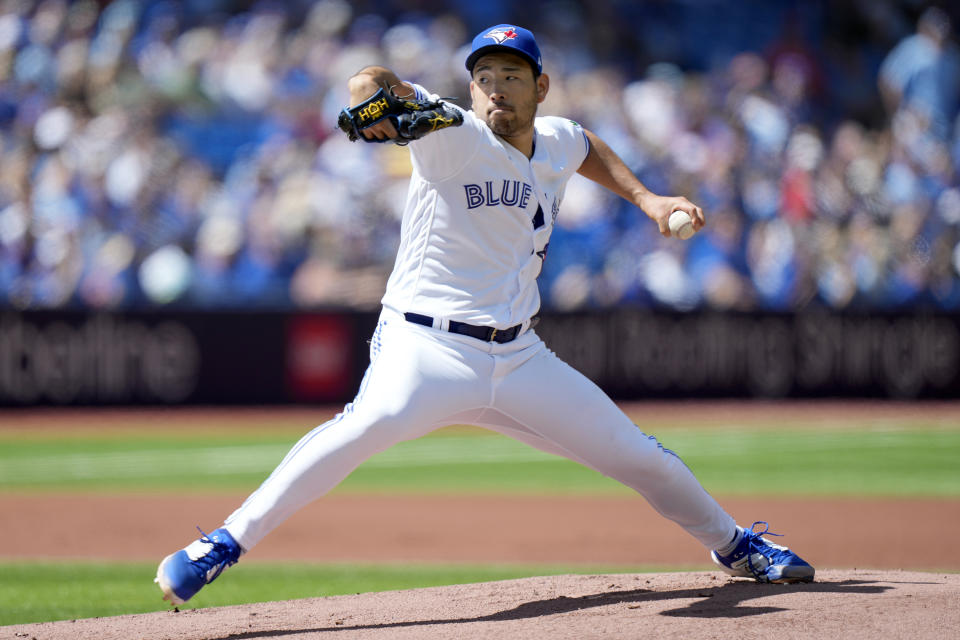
[(857, 604)]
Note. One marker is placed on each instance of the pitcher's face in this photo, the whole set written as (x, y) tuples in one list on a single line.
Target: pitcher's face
[(505, 93)]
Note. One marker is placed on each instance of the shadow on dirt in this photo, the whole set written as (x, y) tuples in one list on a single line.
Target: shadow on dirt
[(723, 601)]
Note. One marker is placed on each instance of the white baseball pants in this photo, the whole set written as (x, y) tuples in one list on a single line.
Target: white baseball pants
[(421, 379)]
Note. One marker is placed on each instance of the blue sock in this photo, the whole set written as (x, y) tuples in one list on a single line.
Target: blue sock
[(728, 549)]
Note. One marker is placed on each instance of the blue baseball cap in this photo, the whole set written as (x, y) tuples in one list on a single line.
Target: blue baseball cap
[(509, 38)]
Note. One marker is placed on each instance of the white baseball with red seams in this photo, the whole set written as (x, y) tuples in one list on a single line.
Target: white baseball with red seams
[(474, 235), (681, 225)]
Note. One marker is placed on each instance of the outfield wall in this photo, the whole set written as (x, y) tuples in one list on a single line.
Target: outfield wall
[(64, 358)]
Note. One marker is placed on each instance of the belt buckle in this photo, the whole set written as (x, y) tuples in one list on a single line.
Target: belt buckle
[(493, 336)]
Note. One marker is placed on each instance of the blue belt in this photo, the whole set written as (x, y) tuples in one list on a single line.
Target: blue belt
[(487, 334)]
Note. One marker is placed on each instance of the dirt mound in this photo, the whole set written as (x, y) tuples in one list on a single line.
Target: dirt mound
[(858, 604)]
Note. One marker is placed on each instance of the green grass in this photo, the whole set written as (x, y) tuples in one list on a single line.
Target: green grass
[(847, 460), (64, 591)]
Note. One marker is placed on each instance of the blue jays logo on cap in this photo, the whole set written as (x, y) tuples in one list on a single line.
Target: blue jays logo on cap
[(499, 35), (509, 38)]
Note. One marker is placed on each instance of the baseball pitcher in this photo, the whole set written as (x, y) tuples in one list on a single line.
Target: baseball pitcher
[(455, 343)]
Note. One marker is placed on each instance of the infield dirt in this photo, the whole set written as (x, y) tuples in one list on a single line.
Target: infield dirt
[(838, 533)]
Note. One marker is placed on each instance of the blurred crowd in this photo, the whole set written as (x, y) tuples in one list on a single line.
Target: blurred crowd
[(184, 154)]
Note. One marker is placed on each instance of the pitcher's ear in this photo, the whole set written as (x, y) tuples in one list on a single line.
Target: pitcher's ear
[(543, 86)]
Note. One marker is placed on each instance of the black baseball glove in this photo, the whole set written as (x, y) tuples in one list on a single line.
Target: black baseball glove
[(412, 119)]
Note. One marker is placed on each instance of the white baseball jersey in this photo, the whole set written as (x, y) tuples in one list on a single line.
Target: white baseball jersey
[(477, 221)]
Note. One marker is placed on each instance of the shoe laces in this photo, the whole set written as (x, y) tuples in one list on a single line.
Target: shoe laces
[(756, 544), (220, 556)]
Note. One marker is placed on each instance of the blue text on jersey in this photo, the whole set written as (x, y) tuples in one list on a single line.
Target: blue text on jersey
[(510, 193)]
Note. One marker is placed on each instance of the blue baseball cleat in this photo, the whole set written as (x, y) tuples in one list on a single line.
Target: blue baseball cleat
[(758, 558), (185, 572)]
